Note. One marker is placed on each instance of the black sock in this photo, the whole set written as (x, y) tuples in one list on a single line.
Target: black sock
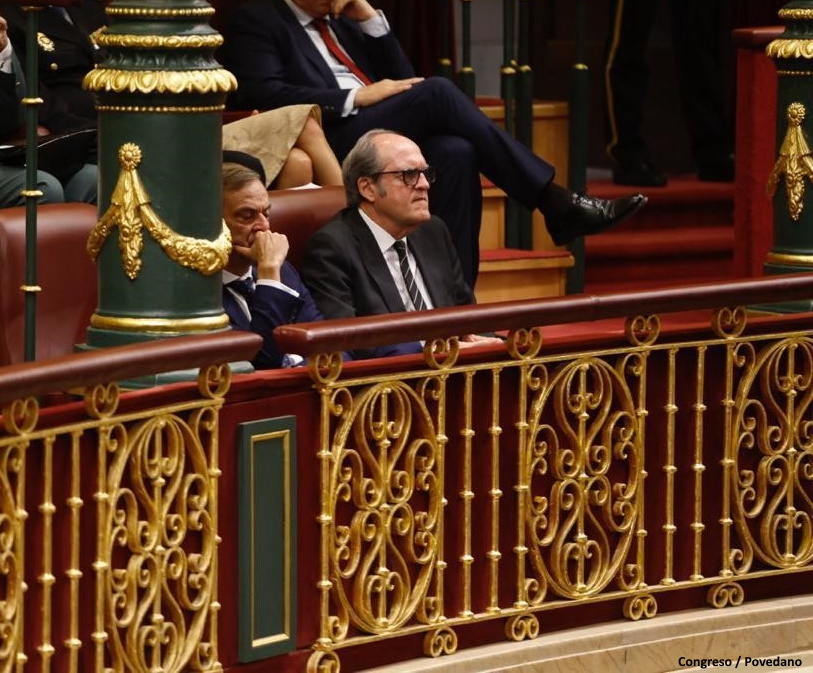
[(554, 201)]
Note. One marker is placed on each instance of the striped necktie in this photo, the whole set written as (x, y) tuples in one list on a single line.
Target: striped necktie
[(411, 285)]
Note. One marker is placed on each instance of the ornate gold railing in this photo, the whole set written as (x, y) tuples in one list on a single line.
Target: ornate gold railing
[(109, 511), (513, 490), (508, 489)]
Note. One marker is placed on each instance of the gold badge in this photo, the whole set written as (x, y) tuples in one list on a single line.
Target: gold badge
[(45, 42)]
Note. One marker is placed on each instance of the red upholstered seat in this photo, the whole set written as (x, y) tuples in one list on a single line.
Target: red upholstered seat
[(66, 275), (298, 213)]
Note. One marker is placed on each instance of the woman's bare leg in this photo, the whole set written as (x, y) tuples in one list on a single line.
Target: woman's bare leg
[(326, 169), (296, 171)]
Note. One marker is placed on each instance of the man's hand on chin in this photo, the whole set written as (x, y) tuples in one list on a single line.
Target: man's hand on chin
[(355, 10)]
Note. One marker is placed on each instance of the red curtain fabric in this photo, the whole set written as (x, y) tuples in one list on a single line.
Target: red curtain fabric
[(418, 25)]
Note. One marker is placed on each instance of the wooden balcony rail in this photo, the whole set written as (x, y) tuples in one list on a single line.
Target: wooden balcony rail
[(309, 338), (127, 362)]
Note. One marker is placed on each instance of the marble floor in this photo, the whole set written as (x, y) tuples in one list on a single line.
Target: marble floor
[(672, 642)]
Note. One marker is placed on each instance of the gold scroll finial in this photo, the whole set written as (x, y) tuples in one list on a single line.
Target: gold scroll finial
[(794, 163), (130, 211)]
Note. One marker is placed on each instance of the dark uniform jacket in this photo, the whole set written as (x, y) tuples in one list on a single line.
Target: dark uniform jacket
[(67, 52)]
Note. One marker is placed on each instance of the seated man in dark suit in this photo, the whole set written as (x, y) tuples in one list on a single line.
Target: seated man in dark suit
[(385, 253), (350, 64), (260, 289)]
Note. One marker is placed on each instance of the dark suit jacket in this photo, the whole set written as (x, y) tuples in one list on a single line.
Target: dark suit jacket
[(12, 90), (277, 64), (271, 307), (347, 275), (66, 54)]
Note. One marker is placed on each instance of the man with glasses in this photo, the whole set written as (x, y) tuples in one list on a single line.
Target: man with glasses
[(385, 253), (342, 56), (260, 289)]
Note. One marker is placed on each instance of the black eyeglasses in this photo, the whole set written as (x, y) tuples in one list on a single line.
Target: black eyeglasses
[(410, 176)]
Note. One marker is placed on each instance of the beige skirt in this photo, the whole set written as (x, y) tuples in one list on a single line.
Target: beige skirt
[(269, 135)]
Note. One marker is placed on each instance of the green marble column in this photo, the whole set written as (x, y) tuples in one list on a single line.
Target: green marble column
[(159, 242), (791, 181)]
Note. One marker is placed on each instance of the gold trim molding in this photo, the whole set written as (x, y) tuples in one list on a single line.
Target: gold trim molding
[(160, 109), (130, 211), (794, 163), (216, 80), (152, 12), (784, 258), (795, 13), (160, 41), (782, 48), (159, 324)]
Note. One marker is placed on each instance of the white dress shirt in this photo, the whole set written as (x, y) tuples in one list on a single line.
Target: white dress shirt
[(375, 27)]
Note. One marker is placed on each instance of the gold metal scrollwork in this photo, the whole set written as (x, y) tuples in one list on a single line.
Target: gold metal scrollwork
[(795, 162), (642, 330), (160, 552), (637, 607), (729, 322), (214, 381), (439, 642), (583, 474), (20, 416), (524, 344), (724, 595), (772, 454), (325, 368), (12, 585), (324, 662), (441, 353), (387, 463), (522, 627), (102, 400), (130, 211)]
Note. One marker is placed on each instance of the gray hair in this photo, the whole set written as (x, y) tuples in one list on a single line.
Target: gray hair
[(237, 176), (361, 161)]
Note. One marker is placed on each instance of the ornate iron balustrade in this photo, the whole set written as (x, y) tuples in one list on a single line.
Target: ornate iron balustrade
[(509, 490), (109, 512), (516, 489)]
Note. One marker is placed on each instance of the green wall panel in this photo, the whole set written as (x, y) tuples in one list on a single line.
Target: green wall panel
[(267, 539)]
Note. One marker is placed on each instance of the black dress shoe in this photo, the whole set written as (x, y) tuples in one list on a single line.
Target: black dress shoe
[(587, 215), (638, 173)]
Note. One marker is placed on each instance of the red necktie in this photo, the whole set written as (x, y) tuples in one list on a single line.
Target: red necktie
[(333, 48)]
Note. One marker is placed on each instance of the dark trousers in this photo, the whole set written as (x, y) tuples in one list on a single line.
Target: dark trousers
[(696, 33), (461, 142)]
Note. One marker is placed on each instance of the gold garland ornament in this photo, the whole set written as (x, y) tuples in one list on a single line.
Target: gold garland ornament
[(795, 162), (130, 211)]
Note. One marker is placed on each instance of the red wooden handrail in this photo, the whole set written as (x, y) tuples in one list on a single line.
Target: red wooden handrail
[(349, 334), (125, 362)]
